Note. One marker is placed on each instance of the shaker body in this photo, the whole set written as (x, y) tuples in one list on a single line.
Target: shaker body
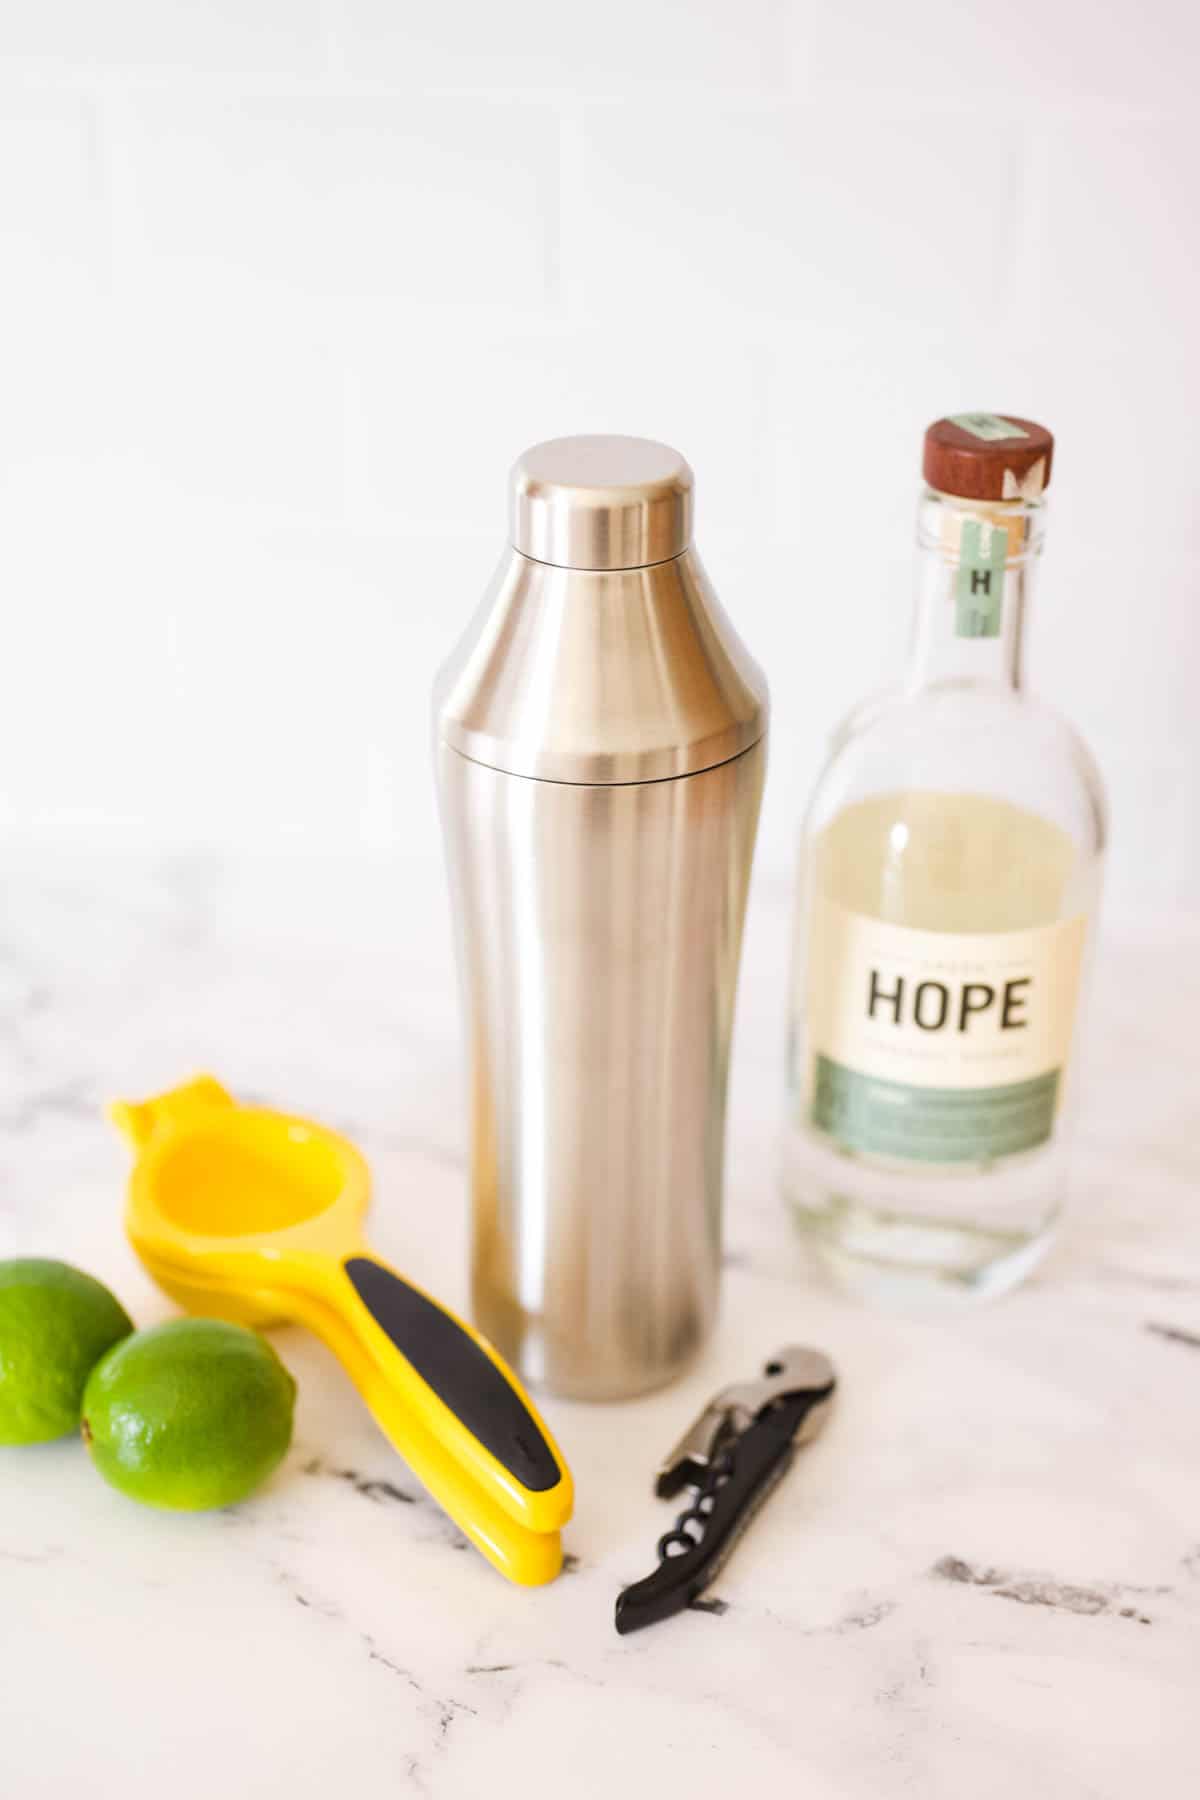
[(599, 932)]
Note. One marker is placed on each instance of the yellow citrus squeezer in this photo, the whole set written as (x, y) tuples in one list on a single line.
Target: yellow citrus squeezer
[(251, 1215)]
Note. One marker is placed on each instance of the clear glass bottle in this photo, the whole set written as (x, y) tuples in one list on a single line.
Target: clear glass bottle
[(949, 877)]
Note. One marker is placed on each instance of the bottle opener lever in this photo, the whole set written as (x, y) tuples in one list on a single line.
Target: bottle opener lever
[(733, 1455)]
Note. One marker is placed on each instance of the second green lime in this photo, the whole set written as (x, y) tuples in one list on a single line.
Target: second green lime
[(191, 1415)]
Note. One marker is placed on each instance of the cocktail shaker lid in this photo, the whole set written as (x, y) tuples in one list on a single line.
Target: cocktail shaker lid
[(600, 653), (601, 503)]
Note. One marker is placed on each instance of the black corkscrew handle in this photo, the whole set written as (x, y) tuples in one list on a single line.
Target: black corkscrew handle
[(741, 1479)]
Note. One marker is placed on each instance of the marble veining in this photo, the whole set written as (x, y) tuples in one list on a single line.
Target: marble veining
[(1174, 1334), (983, 1578), (1038, 1590)]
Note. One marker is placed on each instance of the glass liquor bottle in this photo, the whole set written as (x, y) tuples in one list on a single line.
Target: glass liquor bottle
[(950, 870)]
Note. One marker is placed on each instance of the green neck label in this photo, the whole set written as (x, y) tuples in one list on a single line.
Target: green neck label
[(979, 580), (987, 426)]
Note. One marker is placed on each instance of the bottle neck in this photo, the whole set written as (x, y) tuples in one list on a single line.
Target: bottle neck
[(975, 564)]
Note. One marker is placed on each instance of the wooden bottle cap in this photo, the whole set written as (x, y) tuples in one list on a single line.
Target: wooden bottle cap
[(988, 456)]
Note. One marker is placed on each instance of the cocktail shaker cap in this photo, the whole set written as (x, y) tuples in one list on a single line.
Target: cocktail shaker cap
[(600, 653), (601, 503)]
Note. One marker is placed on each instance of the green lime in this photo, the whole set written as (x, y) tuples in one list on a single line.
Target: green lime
[(55, 1325), (192, 1414)]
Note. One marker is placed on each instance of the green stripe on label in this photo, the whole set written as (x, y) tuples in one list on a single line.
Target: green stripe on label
[(987, 426), (979, 579), (932, 1125)]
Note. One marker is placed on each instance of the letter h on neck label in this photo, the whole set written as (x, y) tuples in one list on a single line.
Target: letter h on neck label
[(979, 581)]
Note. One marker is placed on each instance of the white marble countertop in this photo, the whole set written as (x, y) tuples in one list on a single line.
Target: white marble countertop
[(983, 1580)]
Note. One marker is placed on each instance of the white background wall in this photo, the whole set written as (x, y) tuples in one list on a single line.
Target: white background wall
[(286, 284)]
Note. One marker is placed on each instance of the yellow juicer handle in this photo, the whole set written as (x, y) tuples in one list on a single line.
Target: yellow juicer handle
[(527, 1556), (432, 1379)]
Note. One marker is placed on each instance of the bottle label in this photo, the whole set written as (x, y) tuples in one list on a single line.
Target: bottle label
[(979, 579), (987, 426), (936, 1046)]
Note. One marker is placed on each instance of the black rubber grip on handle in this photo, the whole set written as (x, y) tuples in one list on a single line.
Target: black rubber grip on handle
[(459, 1373)]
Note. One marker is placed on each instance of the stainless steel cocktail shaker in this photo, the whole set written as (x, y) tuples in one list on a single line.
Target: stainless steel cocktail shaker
[(600, 748)]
